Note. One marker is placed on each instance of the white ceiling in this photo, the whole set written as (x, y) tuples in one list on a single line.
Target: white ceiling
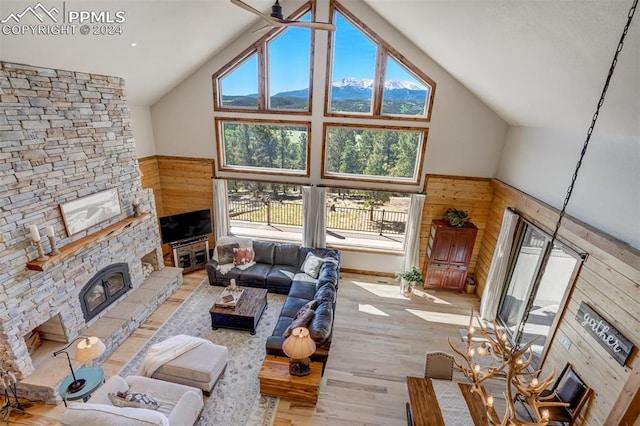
[(536, 63)]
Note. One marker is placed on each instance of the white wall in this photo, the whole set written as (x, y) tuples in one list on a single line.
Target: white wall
[(369, 261), (142, 131), (540, 162), (465, 137)]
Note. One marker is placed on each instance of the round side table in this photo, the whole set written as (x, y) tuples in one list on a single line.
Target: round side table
[(94, 377)]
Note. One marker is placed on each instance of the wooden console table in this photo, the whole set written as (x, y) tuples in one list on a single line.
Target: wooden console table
[(275, 380)]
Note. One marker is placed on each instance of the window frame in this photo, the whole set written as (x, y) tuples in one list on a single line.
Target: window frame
[(384, 50), (260, 47), (220, 147), (374, 179)]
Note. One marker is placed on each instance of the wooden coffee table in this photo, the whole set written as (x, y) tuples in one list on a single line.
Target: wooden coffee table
[(245, 315)]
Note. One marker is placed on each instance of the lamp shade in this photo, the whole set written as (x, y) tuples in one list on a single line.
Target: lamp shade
[(89, 348), (299, 344)]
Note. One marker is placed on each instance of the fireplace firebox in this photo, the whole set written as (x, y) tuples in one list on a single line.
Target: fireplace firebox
[(104, 288)]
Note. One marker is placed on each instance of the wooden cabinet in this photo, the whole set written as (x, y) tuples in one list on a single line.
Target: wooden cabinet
[(448, 255)]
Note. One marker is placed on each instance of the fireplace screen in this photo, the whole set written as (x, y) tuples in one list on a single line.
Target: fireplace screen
[(104, 288)]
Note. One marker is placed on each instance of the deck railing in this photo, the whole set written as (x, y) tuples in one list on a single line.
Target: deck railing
[(269, 212)]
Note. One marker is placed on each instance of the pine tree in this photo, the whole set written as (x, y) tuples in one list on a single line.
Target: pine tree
[(405, 164)]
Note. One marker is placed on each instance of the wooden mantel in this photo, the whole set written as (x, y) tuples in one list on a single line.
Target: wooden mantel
[(86, 242)]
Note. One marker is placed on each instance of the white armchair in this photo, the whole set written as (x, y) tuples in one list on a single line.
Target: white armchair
[(179, 405)]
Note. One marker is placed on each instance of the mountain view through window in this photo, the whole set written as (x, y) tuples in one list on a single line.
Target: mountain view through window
[(353, 76)]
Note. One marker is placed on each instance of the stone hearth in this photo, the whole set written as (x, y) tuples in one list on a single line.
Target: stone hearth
[(117, 323)]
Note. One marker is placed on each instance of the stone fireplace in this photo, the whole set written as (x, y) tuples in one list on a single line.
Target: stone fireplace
[(65, 135), (106, 287)]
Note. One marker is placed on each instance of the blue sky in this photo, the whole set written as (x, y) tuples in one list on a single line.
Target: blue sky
[(354, 56)]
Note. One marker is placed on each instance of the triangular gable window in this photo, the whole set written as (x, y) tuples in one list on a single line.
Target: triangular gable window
[(239, 88), (368, 77), (273, 75), (404, 94)]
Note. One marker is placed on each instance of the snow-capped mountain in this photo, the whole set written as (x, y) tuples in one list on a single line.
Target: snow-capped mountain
[(360, 88), (363, 83), (398, 84)]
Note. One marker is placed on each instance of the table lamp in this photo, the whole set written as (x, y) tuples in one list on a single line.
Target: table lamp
[(88, 349), (299, 346)]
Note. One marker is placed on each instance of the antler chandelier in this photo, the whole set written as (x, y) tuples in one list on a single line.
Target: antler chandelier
[(488, 356)]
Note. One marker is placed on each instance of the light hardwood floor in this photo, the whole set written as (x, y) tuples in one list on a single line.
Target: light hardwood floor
[(379, 338)]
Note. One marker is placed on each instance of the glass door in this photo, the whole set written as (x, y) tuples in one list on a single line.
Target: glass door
[(559, 273), (531, 248), (536, 291)]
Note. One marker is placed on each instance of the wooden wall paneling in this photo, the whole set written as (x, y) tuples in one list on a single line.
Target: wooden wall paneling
[(620, 300), (471, 194), (608, 280), (186, 185), (488, 243), (631, 415), (151, 179)]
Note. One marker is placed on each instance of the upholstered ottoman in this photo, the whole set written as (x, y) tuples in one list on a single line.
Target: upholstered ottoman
[(199, 367)]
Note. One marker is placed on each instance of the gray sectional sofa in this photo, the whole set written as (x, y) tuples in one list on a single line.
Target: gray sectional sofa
[(278, 268)]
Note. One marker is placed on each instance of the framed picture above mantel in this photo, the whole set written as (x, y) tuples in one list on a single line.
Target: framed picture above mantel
[(85, 212)]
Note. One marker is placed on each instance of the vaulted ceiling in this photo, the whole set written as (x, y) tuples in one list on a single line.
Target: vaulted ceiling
[(536, 63)]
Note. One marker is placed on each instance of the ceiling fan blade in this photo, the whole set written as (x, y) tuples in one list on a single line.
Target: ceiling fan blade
[(264, 28), (314, 25), (251, 9)]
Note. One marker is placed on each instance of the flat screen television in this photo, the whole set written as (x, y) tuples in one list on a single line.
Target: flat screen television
[(185, 225)]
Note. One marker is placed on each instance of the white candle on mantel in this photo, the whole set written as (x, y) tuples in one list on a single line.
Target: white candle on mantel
[(135, 202), (35, 235), (50, 232)]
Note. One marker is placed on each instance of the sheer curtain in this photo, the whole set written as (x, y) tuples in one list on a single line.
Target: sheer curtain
[(412, 236), (220, 208), (499, 264), (314, 217)]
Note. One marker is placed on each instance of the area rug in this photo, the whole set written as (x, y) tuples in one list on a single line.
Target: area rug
[(235, 399)]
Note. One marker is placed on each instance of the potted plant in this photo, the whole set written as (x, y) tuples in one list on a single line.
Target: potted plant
[(409, 279), (456, 217)]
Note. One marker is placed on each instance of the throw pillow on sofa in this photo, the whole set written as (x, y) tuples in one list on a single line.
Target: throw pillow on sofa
[(326, 293), (313, 304), (320, 326), (225, 253), (302, 321), (133, 399), (242, 256), (312, 265)]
